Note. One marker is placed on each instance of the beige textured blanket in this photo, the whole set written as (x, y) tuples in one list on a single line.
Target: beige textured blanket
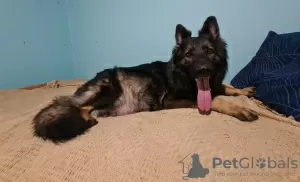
[(148, 146)]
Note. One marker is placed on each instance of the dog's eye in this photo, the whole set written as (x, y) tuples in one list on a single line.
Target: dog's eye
[(188, 54), (209, 51)]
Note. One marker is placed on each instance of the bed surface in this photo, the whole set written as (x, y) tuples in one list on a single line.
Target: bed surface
[(148, 146)]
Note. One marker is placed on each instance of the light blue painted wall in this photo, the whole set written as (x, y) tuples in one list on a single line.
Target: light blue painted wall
[(35, 42), (42, 40), (129, 32)]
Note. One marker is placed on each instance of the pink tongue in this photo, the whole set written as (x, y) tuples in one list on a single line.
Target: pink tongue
[(204, 95)]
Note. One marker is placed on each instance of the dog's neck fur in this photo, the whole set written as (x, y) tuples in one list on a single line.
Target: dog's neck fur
[(176, 88)]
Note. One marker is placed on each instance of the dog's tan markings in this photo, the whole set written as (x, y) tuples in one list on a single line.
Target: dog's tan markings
[(219, 105), (231, 91), (222, 106), (84, 111), (88, 108)]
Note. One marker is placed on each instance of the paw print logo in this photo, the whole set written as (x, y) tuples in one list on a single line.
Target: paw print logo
[(260, 162)]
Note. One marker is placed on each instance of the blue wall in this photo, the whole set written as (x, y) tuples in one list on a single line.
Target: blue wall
[(116, 32), (42, 40), (35, 42)]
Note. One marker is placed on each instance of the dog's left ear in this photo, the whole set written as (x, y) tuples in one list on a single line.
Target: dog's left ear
[(211, 27), (181, 33)]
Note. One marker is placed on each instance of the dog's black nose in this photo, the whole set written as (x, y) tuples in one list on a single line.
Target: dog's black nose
[(203, 70)]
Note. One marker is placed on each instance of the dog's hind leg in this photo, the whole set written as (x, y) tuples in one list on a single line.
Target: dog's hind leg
[(231, 109), (69, 116), (88, 91), (88, 95), (231, 91)]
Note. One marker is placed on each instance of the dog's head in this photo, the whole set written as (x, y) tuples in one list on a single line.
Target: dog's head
[(201, 55), (204, 57)]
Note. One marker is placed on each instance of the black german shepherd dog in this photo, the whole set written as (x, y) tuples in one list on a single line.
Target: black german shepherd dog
[(191, 79)]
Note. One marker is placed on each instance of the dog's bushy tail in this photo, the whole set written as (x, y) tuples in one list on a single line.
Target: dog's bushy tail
[(62, 120)]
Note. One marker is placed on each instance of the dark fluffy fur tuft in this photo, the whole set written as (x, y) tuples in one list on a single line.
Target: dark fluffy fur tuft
[(61, 120)]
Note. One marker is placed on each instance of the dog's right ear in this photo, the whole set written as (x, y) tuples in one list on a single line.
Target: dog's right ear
[(181, 33), (210, 26)]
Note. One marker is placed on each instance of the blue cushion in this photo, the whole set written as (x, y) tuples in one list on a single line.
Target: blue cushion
[(275, 72)]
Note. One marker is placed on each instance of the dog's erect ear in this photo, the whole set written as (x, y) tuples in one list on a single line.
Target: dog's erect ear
[(211, 27), (181, 33)]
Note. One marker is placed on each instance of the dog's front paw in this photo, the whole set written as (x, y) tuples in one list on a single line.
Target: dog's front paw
[(249, 91), (246, 115)]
